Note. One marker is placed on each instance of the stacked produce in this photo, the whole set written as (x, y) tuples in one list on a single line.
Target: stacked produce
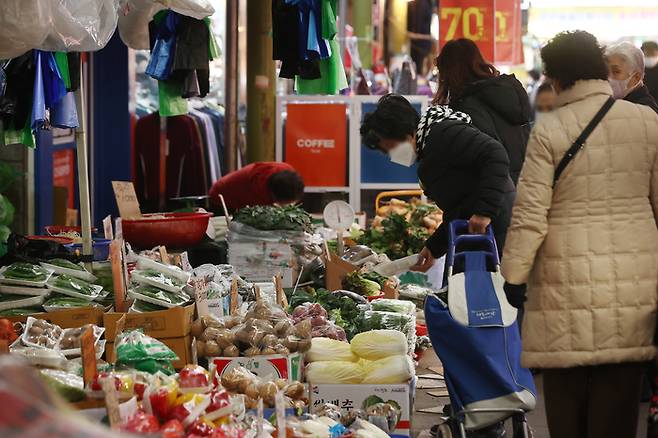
[(159, 285), (373, 357), (343, 308), (46, 344), (268, 217), (390, 314), (264, 330), (22, 286), (401, 228), (240, 380)]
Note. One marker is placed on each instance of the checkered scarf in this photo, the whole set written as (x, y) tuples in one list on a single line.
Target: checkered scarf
[(436, 114)]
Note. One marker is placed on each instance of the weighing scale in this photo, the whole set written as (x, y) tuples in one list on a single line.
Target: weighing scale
[(339, 216)]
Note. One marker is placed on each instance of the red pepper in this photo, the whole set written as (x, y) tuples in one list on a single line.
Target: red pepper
[(141, 422), (173, 429)]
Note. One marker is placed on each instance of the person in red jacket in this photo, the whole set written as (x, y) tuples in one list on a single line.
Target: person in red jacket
[(263, 183)]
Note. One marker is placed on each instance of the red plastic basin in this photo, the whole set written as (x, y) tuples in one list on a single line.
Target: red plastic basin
[(174, 230)]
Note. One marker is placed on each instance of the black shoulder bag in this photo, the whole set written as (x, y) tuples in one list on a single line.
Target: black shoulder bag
[(580, 141)]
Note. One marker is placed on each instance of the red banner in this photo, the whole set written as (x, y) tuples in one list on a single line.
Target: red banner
[(509, 47), (64, 172), (316, 143), (472, 19)]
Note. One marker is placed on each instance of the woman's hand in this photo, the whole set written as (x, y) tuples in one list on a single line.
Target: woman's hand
[(478, 224), (425, 261)]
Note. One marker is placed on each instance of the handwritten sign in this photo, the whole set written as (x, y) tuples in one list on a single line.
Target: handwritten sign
[(124, 193), (200, 286), (233, 305), (111, 402), (89, 368), (107, 227)]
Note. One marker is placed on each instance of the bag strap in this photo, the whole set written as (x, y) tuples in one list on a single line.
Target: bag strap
[(580, 141)]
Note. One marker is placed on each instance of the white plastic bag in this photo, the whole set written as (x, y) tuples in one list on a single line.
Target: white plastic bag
[(378, 344), (390, 370), (334, 372), (136, 15), (325, 349), (56, 25)]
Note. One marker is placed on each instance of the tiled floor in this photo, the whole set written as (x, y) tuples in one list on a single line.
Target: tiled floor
[(422, 422)]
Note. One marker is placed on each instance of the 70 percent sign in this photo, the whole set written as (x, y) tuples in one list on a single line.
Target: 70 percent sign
[(471, 20)]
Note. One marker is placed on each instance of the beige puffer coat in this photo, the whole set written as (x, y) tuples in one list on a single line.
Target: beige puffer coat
[(588, 249)]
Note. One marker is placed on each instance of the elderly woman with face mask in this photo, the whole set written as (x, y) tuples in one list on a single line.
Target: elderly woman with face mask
[(463, 170), (626, 74)]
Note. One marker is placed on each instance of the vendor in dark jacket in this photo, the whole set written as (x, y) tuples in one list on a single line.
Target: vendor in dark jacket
[(463, 170), (626, 74), (497, 103)]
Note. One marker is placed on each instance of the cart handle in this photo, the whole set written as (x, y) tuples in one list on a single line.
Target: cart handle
[(392, 193), (458, 234)]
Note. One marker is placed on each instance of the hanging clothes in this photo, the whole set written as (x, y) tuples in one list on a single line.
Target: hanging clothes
[(332, 72), (285, 39), (16, 103), (162, 33), (419, 20)]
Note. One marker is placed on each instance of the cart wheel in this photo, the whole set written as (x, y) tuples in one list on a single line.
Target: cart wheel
[(444, 431)]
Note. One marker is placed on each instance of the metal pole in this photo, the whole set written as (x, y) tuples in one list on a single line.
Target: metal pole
[(83, 170), (342, 15), (231, 86)]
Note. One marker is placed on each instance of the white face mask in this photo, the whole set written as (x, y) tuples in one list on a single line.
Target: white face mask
[(650, 61), (403, 154), (619, 87)]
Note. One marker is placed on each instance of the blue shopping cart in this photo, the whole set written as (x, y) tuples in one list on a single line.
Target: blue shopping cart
[(475, 334)]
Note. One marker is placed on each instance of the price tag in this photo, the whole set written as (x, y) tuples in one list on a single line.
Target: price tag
[(164, 255), (107, 227), (185, 262), (89, 368), (281, 298), (118, 228), (233, 308), (4, 346), (200, 287), (280, 408), (111, 402), (117, 275), (124, 193)]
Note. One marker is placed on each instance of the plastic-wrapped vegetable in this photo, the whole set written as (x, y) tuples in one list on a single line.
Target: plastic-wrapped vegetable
[(378, 344), (144, 353), (157, 279), (62, 302), (396, 306), (69, 386), (379, 320), (389, 370), (26, 272), (312, 311), (329, 330), (325, 349), (334, 372), (76, 287), (159, 297)]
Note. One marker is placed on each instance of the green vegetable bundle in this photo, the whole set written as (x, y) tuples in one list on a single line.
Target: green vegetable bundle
[(342, 310), (63, 263), (25, 271), (162, 295), (357, 282), (74, 285), (397, 238), (268, 217), (160, 277), (395, 306)]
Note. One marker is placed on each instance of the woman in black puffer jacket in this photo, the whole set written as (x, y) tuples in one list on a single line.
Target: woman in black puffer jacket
[(463, 170), (497, 103)]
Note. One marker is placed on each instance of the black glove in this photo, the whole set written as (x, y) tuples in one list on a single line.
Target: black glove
[(516, 294)]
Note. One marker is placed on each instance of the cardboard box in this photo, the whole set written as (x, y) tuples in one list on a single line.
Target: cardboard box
[(276, 366), (349, 397), (69, 318), (182, 346), (337, 269), (163, 324)]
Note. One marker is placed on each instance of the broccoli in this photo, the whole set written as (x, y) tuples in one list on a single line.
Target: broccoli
[(355, 282)]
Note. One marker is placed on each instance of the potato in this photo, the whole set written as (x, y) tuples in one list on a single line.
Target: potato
[(250, 403), (197, 328), (224, 338), (230, 381), (252, 351), (212, 348), (303, 345), (281, 349), (211, 321), (267, 390), (267, 351), (282, 327), (264, 326), (252, 391), (210, 334), (243, 383), (303, 329), (281, 383), (200, 348), (291, 343), (295, 390), (232, 321), (299, 404), (35, 330), (231, 351), (269, 341)]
